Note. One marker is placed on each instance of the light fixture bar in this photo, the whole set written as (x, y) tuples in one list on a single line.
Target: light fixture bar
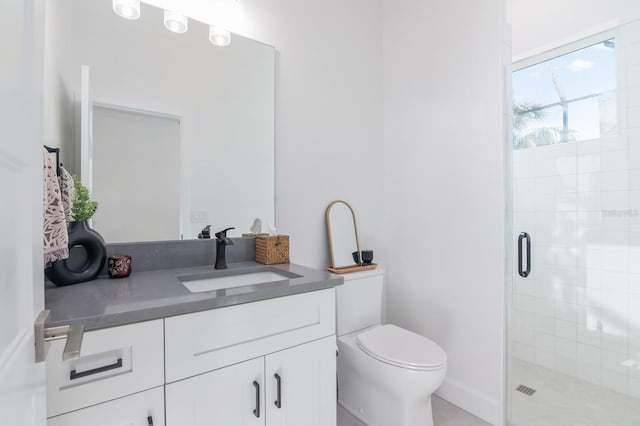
[(173, 21)]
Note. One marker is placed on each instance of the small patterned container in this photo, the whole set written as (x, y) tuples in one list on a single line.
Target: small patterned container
[(119, 266)]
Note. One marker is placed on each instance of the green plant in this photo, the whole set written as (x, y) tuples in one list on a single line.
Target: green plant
[(526, 134), (83, 208)]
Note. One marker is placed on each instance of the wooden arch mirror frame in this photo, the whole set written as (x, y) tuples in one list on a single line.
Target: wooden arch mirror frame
[(342, 233)]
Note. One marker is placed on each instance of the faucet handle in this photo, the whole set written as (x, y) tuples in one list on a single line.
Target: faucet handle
[(205, 233), (223, 234)]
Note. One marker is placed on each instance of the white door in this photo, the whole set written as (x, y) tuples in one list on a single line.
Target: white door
[(22, 401), (232, 396), (136, 171), (306, 376)]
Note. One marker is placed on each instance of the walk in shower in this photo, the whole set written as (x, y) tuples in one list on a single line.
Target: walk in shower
[(574, 297)]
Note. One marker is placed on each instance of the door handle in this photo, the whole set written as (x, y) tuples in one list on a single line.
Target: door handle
[(527, 239), (73, 334), (256, 411), (278, 401)]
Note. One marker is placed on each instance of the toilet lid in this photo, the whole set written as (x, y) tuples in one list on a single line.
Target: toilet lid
[(397, 346)]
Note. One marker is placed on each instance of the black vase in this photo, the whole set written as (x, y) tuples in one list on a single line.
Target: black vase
[(87, 256)]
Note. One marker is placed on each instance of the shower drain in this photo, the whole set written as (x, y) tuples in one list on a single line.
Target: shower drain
[(526, 390)]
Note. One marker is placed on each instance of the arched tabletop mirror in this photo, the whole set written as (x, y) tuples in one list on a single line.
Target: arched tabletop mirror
[(343, 235)]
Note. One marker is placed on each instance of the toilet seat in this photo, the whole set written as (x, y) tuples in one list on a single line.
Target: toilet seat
[(402, 348)]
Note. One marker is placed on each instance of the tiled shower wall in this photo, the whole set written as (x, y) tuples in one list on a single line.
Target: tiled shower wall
[(579, 310)]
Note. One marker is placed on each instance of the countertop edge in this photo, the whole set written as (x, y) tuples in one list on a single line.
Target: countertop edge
[(99, 321)]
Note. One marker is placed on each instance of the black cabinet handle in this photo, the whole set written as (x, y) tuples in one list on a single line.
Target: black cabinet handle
[(278, 401), (256, 411), (150, 420), (524, 272), (73, 375)]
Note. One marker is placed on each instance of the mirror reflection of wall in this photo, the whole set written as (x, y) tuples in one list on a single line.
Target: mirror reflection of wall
[(222, 96), (343, 235), (141, 201)]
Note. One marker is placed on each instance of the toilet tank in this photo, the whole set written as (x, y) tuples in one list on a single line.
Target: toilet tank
[(359, 301)]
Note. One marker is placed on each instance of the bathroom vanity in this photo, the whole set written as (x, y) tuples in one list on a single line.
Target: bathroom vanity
[(158, 352)]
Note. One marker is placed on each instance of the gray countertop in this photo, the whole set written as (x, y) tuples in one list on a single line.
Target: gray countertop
[(149, 295)]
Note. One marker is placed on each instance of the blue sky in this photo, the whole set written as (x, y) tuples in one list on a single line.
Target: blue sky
[(582, 72)]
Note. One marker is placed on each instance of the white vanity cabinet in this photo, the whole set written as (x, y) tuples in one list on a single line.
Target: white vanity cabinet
[(292, 387), (286, 343), (265, 363)]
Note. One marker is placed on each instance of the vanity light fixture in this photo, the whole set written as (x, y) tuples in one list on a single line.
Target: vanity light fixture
[(175, 22), (128, 9), (219, 36)]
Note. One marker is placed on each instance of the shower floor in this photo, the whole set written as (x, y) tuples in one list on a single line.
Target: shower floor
[(562, 400)]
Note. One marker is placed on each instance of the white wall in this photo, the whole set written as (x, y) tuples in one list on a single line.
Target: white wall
[(541, 25), (328, 117), (444, 153)]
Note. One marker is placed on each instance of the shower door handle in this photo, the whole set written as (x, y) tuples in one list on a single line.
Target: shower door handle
[(527, 238)]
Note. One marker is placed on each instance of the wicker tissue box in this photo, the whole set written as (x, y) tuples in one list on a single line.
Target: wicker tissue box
[(273, 249)]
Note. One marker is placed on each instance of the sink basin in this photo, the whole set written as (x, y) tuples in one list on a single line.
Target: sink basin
[(211, 281)]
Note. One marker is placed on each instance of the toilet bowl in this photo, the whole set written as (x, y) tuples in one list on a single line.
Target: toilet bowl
[(386, 374)]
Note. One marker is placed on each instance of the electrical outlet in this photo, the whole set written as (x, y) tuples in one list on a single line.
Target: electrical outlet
[(199, 216)]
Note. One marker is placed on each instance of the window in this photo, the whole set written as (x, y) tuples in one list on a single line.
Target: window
[(566, 99)]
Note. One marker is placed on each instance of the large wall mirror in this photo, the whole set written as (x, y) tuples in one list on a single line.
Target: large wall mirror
[(182, 131)]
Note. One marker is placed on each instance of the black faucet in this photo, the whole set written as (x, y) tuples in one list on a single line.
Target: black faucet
[(221, 244)]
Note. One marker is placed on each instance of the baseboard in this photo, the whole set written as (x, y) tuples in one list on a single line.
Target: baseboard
[(472, 401)]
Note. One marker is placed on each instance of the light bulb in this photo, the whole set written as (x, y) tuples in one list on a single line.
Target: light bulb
[(219, 36), (128, 9), (175, 22)]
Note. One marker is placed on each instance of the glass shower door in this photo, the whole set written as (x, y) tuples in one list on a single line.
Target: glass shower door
[(574, 300)]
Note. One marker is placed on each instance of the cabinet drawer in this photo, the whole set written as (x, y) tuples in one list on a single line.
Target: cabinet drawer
[(132, 410), (113, 362), (208, 340)]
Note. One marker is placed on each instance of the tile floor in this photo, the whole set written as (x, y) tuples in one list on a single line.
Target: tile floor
[(562, 400), (444, 414)]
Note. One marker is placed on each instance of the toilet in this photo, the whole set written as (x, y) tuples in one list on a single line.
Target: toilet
[(386, 374)]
